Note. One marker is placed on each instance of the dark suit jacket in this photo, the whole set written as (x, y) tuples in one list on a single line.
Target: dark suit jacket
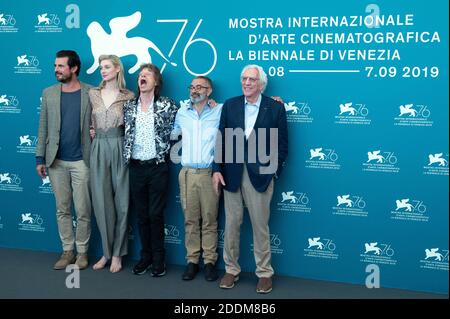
[(271, 114)]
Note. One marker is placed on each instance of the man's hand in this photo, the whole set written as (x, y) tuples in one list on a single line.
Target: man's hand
[(40, 168), (212, 103), (278, 99), (92, 132), (217, 180)]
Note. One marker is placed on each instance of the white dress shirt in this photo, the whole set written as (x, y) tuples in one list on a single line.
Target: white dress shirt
[(144, 147), (251, 113)]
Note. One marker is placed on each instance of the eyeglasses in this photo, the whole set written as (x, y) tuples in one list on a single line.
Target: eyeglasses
[(249, 79), (197, 87)]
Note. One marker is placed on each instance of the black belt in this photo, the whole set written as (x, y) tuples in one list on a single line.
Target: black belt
[(146, 162)]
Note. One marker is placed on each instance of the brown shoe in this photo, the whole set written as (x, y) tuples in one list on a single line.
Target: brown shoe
[(228, 280), (264, 285), (65, 260), (82, 261)]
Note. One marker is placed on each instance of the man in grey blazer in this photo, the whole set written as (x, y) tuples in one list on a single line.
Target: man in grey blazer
[(63, 148)]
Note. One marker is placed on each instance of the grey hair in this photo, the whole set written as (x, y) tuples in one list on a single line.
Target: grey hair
[(262, 74)]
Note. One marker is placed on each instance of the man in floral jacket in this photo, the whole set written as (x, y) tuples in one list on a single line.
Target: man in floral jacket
[(149, 121)]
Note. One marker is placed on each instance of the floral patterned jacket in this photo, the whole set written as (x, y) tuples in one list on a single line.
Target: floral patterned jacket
[(165, 111)]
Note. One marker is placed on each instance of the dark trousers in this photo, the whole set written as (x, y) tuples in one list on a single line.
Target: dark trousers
[(148, 198)]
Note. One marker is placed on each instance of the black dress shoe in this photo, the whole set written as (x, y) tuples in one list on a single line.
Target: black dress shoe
[(210, 272), (190, 272), (158, 270), (141, 267)]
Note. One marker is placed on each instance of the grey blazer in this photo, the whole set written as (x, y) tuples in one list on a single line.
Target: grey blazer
[(50, 123)]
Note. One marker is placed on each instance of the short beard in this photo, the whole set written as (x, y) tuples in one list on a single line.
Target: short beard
[(199, 99), (65, 79)]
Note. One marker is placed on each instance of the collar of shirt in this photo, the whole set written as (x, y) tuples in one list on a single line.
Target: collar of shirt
[(190, 107), (139, 106), (97, 88), (257, 103)]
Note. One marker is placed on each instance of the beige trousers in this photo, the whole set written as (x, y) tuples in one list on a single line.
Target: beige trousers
[(200, 205), (70, 180), (258, 205)]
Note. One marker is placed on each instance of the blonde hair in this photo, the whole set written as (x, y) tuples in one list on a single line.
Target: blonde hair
[(117, 63)]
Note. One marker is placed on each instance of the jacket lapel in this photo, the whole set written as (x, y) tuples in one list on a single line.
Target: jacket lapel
[(133, 114), (84, 104), (55, 99), (263, 107), (240, 113), (156, 114)]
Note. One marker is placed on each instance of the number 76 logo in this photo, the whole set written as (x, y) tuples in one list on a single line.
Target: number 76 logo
[(119, 44)]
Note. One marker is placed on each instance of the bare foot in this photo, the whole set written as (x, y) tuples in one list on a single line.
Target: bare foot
[(101, 263), (116, 264)]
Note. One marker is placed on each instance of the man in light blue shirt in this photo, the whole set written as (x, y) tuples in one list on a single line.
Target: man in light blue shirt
[(197, 122)]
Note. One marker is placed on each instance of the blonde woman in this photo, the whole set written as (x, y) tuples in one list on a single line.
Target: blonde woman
[(109, 176)]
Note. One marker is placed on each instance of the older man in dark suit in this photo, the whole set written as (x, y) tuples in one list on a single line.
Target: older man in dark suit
[(251, 126)]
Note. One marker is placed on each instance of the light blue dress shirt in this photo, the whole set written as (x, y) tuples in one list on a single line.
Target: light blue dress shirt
[(251, 113), (198, 134)]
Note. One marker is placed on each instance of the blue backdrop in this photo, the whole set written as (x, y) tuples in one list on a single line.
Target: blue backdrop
[(365, 87)]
